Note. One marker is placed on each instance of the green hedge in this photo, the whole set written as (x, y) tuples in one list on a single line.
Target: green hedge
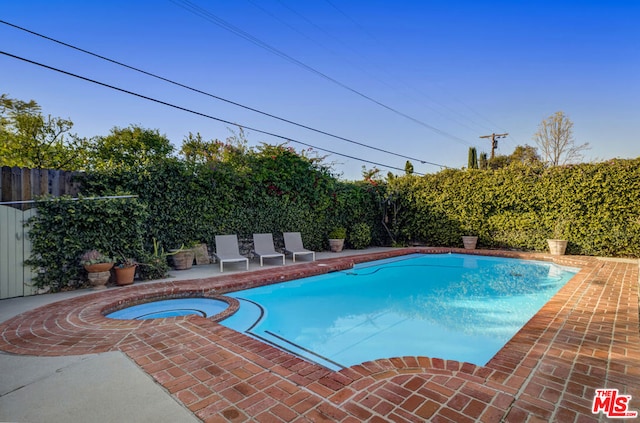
[(270, 190), (595, 206), (63, 229)]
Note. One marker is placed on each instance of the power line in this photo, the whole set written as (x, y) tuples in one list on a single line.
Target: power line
[(379, 43), (353, 21), (319, 28), (354, 52), (215, 96), (113, 87), (205, 14)]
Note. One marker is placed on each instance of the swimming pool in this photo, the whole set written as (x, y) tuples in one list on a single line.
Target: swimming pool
[(450, 306)]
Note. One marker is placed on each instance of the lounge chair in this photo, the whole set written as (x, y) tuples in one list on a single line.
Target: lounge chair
[(263, 247), (227, 250), (293, 245)]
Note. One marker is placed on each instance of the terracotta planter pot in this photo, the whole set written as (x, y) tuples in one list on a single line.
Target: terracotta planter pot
[(336, 245), (98, 267), (125, 275)]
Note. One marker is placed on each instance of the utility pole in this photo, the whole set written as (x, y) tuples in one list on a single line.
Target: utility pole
[(494, 142)]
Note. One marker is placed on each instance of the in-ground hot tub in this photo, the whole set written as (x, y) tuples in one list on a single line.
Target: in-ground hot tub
[(172, 307)]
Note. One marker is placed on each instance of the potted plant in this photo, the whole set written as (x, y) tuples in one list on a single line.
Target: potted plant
[(469, 242), (558, 242), (95, 261), (125, 271), (470, 227), (154, 265), (336, 239), (97, 266), (183, 257)]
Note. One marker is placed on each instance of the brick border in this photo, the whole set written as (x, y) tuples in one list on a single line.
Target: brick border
[(585, 337)]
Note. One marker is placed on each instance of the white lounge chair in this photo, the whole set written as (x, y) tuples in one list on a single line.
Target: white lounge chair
[(227, 250), (263, 247), (293, 245)]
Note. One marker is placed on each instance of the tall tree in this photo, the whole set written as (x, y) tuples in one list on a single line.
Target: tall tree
[(370, 175), (483, 162), (233, 150), (131, 148), (197, 150), (408, 168), (525, 154), (30, 139), (556, 142), (472, 160)]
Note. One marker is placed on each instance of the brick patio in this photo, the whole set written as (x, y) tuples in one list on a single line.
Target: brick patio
[(586, 337)]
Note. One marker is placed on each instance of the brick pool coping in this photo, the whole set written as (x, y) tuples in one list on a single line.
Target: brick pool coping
[(586, 337)]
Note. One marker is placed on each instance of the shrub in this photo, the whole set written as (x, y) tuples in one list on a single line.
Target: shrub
[(519, 207), (338, 233), (153, 265), (360, 236)]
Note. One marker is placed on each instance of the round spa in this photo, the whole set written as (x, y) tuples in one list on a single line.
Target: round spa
[(172, 307)]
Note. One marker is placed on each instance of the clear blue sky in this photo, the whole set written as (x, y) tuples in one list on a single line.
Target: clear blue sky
[(457, 69)]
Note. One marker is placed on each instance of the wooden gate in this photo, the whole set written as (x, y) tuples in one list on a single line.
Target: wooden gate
[(15, 248)]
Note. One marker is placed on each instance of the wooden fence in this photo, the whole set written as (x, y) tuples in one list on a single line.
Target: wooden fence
[(19, 186)]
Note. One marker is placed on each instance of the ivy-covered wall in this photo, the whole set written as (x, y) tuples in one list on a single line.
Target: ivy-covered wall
[(596, 207), (180, 202), (273, 190), (64, 228)]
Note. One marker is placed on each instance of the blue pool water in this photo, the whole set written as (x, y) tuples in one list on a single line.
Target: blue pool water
[(205, 307), (450, 306)]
